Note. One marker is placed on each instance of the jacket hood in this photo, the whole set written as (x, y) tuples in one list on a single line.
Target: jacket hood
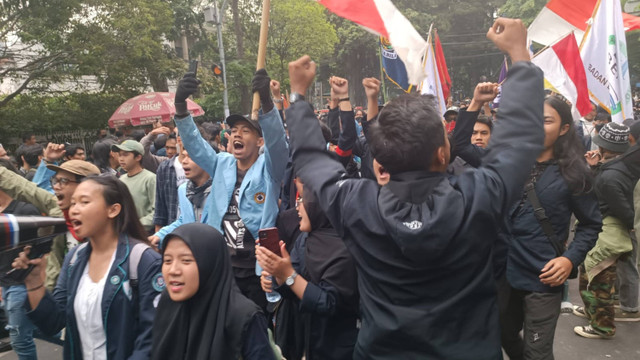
[(415, 208), (631, 159)]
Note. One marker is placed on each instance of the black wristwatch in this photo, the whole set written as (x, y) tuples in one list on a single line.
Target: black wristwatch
[(295, 97)]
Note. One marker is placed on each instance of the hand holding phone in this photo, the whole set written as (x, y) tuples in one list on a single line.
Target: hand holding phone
[(193, 67), (270, 239)]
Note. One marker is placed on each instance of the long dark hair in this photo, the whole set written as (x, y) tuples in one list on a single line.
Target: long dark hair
[(101, 154), (568, 150), (115, 191)]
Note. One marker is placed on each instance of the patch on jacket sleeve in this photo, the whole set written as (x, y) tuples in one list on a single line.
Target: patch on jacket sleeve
[(158, 282), (259, 198)]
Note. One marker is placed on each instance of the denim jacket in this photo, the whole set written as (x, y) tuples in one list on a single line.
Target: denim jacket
[(127, 313), (260, 188)]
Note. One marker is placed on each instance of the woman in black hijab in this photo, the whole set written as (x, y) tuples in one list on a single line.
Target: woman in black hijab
[(202, 314), (326, 284)]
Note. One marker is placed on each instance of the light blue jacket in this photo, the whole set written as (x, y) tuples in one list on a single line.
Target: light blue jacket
[(43, 175), (260, 188), (186, 213)]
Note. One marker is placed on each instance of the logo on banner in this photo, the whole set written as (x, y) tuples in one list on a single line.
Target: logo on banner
[(387, 49), (149, 106), (125, 108)]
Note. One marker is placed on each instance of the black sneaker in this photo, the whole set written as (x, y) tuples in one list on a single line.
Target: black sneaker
[(579, 311), (590, 333)]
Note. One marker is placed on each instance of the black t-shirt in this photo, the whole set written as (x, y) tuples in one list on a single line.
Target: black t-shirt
[(239, 240)]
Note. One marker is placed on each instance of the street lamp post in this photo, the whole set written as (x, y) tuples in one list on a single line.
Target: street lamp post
[(215, 15)]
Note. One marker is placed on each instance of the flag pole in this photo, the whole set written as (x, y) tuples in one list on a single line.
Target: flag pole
[(589, 25), (382, 76), (262, 53)]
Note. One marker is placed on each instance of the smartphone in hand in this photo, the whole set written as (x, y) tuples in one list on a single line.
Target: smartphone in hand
[(193, 67), (270, 239)]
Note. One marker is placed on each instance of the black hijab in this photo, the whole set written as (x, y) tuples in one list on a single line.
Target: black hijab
[(326, 256), (211, 324)]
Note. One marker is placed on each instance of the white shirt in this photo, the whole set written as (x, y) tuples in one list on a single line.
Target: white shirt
[(181, 178), (588, 129), (87, 307)]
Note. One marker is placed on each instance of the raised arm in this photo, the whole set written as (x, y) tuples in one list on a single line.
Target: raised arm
[(22, 189), (198, 148), (312, 162), (467, 118), (348, 135), (52, 154), (372, 89), (149, 160), (276, 148), (519, 139)]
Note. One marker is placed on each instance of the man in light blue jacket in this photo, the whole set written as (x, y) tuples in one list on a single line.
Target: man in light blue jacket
[(193, 199), (245, 184)]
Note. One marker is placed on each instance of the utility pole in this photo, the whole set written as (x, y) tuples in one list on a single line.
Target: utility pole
[(215, 15)]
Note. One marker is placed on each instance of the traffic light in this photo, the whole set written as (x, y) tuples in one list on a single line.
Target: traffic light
[(217, 70)]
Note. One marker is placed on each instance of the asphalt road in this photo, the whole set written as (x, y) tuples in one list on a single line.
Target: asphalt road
[(567, 346)]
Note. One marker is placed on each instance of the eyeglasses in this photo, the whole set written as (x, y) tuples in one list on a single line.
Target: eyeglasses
[(298, 202), (62, 181)]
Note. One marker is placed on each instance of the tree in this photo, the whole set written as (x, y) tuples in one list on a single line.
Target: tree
[(527, 10), (298, 27), (119, 43)]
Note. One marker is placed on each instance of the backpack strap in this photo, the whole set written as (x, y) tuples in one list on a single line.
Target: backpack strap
[(134, 260), (76, 250), (542, 218)]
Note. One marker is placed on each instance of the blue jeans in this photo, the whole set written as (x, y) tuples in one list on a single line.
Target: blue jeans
[(19, 326)]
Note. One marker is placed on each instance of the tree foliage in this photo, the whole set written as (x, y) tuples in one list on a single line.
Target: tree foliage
[(527, 10), (119, 43), (298, 27)]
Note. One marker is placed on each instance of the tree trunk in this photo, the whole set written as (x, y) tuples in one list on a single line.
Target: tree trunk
[(158, 82)]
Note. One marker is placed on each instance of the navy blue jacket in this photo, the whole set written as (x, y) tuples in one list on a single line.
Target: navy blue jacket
[(422, 244), (530, 248), (127, 314)]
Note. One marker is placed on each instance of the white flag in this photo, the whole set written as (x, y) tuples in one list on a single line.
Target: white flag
[(604, 54), (431, 84)]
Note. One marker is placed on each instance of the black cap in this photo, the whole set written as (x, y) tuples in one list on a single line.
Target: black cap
[(234, 118)]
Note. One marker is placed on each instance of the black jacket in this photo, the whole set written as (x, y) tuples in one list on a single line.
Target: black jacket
[(422, 244), (529, 246), (614, 184), (462, 146)]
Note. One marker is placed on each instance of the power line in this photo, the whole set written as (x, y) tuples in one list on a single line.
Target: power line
[(467, 43), (456, 35)]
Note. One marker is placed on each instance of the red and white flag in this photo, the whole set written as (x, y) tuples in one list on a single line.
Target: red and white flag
[(432, 84), (564, 71), (443, 71), (382, 18), (560, 17)]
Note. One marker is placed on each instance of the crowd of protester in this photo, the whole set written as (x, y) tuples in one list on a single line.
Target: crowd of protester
[(404, 233)]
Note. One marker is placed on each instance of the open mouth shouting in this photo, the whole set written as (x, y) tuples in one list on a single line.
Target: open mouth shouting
[(238, 145), (60, 198), (77, 225)]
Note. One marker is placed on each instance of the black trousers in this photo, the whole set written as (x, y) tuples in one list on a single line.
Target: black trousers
[(535, 313)]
